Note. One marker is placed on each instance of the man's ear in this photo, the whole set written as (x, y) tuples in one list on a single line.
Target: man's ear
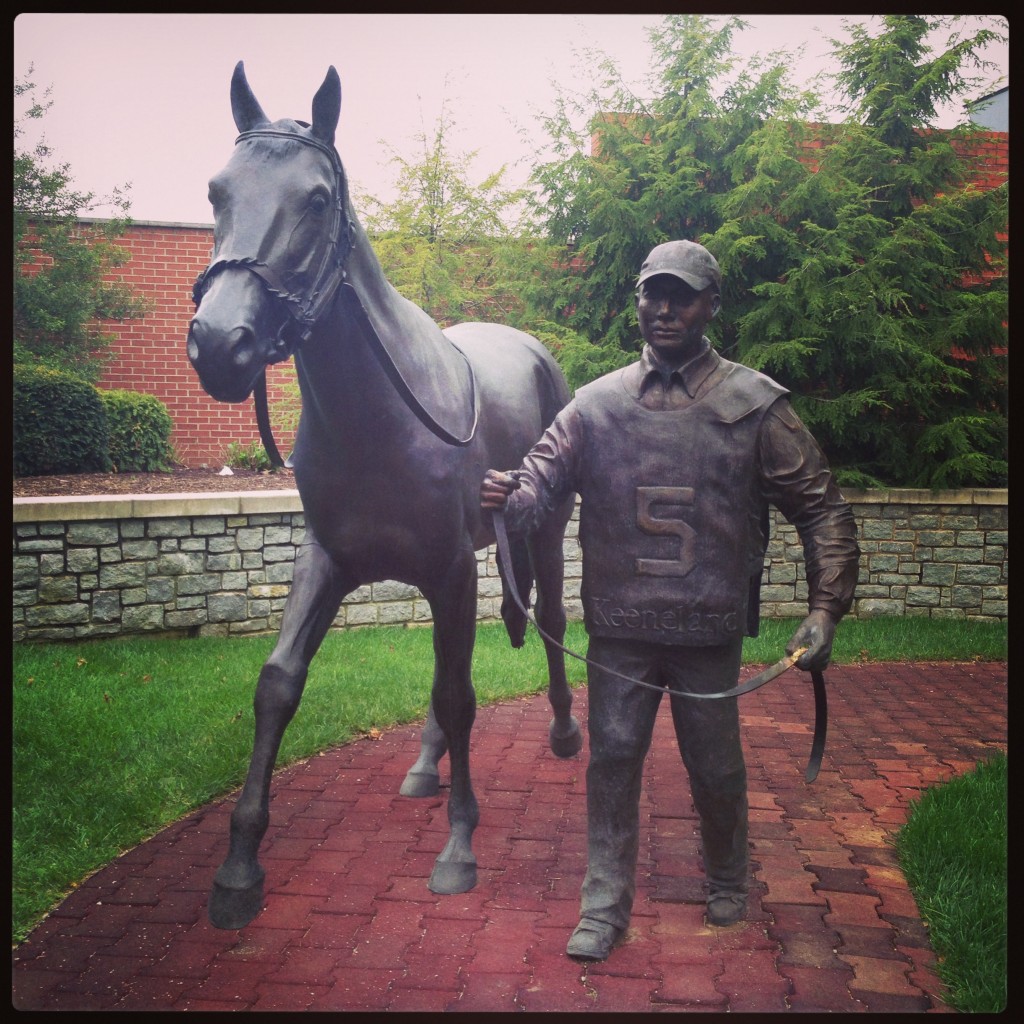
[(716, 305)]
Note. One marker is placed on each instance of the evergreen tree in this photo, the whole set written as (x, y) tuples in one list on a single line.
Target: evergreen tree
[(61, 290), (857, 257)]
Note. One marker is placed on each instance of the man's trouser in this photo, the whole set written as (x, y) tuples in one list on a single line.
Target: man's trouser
[(620, 724)]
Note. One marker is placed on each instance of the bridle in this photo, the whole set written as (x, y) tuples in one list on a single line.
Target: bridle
[(305, 308)]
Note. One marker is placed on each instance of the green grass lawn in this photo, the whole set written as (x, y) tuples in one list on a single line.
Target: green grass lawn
[(114, 739), (953, 851)]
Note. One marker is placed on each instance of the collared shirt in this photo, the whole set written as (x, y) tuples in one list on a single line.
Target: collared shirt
[(657, 385), (793, 472)]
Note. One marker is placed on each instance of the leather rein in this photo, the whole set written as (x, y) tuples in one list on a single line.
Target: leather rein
[(766, 676)]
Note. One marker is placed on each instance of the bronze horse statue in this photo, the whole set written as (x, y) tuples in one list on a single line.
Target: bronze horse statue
[(399, 422)]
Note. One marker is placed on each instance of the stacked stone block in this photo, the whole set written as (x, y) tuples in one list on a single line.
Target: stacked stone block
[(222, 565), (940, 555), (939, 559)]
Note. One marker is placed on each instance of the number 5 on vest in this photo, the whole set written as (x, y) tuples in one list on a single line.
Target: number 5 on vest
[(646, 499)]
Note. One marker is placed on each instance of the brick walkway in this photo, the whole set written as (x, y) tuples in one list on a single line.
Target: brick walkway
[(349, 923)]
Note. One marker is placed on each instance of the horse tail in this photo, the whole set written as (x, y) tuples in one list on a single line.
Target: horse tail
[(513, 617)]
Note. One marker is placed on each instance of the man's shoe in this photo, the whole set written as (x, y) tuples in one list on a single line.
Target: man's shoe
[(725, 908), (592, 940)]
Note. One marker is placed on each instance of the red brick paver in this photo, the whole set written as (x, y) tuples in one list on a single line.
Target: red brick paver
[(349, 924)]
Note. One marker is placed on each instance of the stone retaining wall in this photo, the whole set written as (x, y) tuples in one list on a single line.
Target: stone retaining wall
[(939, 554), (222, 564)]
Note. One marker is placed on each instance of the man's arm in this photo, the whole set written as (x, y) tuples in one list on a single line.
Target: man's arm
[(547, 476), (797, 480)]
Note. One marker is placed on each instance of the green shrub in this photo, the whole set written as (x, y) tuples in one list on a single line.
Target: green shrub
[(60, 425), (140, 432), (247, 456)]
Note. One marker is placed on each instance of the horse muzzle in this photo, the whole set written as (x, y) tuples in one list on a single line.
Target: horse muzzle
[(227, 377), (234, 335)]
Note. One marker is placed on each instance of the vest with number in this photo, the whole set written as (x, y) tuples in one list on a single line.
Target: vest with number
[(672, 522)]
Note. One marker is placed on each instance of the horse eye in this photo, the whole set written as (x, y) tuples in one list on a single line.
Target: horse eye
[(318, 203)]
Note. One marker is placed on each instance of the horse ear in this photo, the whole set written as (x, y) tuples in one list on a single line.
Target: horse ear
[(327, 107), (245, 108)]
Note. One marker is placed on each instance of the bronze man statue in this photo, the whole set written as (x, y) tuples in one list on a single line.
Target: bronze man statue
[(676, 458)]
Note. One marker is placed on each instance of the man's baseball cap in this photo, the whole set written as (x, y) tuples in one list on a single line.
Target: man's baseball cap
[(688, 261)]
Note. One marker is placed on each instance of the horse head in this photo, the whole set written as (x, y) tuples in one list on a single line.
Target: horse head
[(281, 236)]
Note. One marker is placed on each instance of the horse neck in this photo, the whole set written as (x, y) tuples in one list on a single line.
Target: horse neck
[(343, 385), (420, 337), (376, 318), (363, 270)]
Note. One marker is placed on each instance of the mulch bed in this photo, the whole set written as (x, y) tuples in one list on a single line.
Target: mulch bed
[(176, 481)]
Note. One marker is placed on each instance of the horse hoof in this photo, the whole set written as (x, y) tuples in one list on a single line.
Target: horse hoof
[(568, 743), (450, 877), (420, 784), (234, 908)]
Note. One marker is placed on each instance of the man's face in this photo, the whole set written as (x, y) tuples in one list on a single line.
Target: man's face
[(673, 316)]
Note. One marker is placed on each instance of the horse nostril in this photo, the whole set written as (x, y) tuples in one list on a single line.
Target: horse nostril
[(242, 348), (193, 344)]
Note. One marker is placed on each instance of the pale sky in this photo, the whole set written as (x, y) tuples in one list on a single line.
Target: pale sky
[(143, 98)]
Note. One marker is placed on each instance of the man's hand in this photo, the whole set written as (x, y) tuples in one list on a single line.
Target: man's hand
[(815, 633), (496, 488)]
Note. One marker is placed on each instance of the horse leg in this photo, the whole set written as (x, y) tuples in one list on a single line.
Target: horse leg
[(316, 593), (453, 701), (548, 560), (423, 778)]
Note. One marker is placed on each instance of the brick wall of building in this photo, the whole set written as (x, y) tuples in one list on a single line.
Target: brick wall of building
[(149, 354), (989, 156)]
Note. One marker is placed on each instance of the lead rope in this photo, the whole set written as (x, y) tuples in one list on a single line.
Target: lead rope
[(772, 672)]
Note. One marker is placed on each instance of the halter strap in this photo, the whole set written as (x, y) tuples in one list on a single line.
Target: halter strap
[(308, 140)]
